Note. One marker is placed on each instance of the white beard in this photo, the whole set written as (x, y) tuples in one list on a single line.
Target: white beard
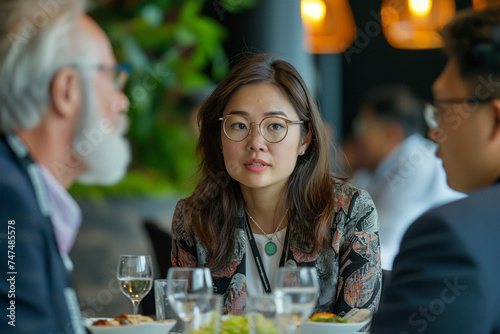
[(103, 148)]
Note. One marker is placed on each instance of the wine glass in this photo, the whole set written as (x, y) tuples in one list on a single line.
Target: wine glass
[(135, 275), (191, 300), (296, 293)]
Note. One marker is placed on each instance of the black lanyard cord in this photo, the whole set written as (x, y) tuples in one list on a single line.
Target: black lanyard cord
[(258, 258)]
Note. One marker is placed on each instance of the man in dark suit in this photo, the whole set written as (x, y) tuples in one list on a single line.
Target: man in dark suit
[(445, 278), (61, 119)]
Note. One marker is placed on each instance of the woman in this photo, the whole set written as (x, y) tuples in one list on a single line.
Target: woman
[(266, 195)]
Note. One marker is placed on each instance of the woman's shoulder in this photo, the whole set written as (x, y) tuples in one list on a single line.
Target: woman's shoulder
[(181, 204), (347, 195), (179, 213), (357, 207)]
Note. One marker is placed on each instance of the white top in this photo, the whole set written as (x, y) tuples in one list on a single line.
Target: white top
[(65, 214), (407, 183), (271, 263)]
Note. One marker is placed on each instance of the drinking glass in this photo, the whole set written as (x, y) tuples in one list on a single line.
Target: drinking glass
[(261, 311), (206, 316), (164, 310), (135, 276), (296, 293), (193, 300)]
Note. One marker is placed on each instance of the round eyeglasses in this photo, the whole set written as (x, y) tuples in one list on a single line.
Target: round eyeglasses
[(272, 128)]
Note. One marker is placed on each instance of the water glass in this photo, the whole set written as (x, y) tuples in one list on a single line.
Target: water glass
[(206, 315), (296, 293), (164, 310), (190, 302), (261, 311)]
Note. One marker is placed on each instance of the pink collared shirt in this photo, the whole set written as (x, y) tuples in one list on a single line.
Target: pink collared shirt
[(65, 213)]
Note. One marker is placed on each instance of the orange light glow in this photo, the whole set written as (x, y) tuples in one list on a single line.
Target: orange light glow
[(420, 8), (482, 4), (313, 10), (328, 26), (415, 24)]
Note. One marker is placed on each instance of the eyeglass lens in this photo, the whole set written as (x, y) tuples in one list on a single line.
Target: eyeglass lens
[(273, 129), (121, 77)]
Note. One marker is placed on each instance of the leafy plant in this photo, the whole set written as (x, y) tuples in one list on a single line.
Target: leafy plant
[(177, 56)]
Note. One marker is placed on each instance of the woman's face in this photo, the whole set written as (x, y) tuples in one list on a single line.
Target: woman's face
[(254, 162)]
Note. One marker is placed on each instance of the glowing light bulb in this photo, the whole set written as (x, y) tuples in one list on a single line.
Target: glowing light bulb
[(328, 26), (313, 10), (420, 8), (416, 25)]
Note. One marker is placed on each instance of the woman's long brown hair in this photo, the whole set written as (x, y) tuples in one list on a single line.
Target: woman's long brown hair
[(213, 210)]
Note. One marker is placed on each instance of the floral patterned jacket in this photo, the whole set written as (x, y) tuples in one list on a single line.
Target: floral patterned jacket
[(349, 272)]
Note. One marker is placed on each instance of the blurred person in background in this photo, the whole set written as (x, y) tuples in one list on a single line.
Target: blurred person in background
[(266, 195), (61, 120), (405, 178), (445, 277)]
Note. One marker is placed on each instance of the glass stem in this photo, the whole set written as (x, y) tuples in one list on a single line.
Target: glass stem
[(293, 329), (185, 327), (135, 304)]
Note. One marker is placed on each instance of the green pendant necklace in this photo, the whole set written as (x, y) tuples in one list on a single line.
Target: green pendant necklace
[(270, 247)]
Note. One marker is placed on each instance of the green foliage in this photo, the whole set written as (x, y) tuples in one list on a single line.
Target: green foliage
[(177, 56), (236, 6)]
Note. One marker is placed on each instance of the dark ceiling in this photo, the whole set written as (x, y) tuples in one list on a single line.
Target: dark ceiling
[(378, 63), (369, 63)]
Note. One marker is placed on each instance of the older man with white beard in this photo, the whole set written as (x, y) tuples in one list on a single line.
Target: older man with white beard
[(62, 118)]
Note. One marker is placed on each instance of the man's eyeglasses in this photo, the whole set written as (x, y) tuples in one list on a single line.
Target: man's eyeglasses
[(433, 115), (272, 128), (120, 72)]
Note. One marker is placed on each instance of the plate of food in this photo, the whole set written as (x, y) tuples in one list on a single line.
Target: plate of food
[(128, 324), (327, 323)]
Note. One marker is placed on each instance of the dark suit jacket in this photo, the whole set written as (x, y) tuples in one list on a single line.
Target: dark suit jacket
[(40, 305), (446, 277)]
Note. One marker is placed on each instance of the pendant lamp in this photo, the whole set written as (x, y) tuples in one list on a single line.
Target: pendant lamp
[(415, 24), (482, 4), (328, 26)]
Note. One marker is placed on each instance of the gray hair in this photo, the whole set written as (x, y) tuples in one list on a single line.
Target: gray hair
[(38, 38)]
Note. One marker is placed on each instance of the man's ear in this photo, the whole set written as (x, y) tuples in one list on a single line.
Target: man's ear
[(66, 92)]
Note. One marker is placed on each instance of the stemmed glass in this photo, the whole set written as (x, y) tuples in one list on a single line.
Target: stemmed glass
[(261, 312), (296, 293), (135, 276), (193, 300)]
